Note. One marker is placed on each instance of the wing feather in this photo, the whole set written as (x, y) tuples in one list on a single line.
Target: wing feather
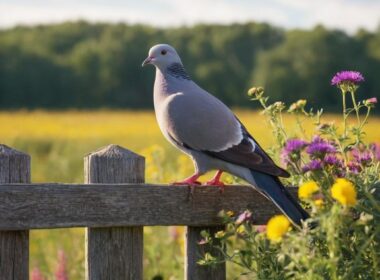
[(250, 155), (200, 122)]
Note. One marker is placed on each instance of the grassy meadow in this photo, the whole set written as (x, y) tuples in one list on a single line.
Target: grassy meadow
[(58, 141)]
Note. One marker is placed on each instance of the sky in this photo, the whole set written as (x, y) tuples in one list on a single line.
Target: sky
[(348, 15)]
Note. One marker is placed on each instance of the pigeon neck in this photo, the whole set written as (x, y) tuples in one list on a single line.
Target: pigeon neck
[(170, 80), (177, 71)]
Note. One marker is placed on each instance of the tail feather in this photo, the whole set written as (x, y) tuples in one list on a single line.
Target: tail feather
[(272, 187)]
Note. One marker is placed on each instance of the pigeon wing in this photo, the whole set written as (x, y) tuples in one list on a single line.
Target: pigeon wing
[(202, 122)]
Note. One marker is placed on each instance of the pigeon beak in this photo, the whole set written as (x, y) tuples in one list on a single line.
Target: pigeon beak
[(148, 60)]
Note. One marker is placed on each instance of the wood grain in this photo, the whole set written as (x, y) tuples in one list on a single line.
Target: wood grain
[(14, 245), (115, 252), (104, 205)]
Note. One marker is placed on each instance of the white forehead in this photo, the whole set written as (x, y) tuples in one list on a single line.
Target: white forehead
[(160, 47)]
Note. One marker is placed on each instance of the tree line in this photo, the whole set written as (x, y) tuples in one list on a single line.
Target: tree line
[(86, 65)]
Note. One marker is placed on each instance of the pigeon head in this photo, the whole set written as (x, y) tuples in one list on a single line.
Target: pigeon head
[(162, 56)]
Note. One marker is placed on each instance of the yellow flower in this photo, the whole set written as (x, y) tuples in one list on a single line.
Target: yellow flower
[(240, 229), (230, 213), (344, 192), (277, 227), (319, 203), (307, 189), (220, 234)]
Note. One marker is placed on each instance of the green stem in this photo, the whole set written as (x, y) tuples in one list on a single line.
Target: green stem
[(344, 114), (282, 127), (340, 146), (328, 179), (355, 106), (263, 103), (359, 254), (360, 127), (301, 129), (375, 261), (365, 119)]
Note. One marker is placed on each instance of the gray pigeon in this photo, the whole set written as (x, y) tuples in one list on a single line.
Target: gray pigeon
[(204, 128)]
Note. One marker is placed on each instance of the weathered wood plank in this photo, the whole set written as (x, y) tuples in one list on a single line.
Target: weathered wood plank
[(14, 245), (114, 252), (104, 205), (194, 252)]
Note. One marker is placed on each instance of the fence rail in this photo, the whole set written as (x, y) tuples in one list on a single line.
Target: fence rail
[(103, 205), (114, 205)]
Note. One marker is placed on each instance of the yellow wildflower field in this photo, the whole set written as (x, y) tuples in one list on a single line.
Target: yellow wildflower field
[(64, 138), (58, 141), (122, 125)]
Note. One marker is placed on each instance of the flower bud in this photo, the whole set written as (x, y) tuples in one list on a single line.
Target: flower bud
[(279, 106), (301, 103), (220, 234), (256, 92), (298, 106), (370, 102), (324, 126)]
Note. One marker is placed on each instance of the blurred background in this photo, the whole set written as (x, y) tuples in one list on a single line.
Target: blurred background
[(71, 81), (87, 54)]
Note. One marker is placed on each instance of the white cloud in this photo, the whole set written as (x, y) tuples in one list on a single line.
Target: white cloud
[(348, 15), (211, 11), (344, 14)]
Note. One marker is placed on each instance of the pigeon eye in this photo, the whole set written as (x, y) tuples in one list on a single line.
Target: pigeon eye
[(163, 52)]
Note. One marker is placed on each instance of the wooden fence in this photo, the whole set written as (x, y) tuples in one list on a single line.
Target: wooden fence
[(114, 204)]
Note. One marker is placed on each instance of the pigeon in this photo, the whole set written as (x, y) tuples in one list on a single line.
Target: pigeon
[(204, 128)]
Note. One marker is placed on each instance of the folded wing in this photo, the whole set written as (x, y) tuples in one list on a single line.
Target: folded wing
[(203, 123)]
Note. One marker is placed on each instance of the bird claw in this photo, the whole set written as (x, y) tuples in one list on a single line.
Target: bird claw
[(191, 182), (216, 183)]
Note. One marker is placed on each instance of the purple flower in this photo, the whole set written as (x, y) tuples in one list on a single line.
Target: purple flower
[(352, 77), (375, 148), (245, 216), (363, 157), (335, 163), (295, 145), (313, 165), (319, 147), (333, 160), (292, 149), (354, 167)]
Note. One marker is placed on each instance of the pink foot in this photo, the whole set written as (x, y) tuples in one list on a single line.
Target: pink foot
[(216, 180), (213, 182), (192, 180)]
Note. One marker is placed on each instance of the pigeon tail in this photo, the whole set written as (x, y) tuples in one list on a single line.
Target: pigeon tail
[(273, 189)]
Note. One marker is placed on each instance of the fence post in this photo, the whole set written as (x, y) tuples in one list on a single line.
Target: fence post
[(14, 245), (117, 252), (194, 252)]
